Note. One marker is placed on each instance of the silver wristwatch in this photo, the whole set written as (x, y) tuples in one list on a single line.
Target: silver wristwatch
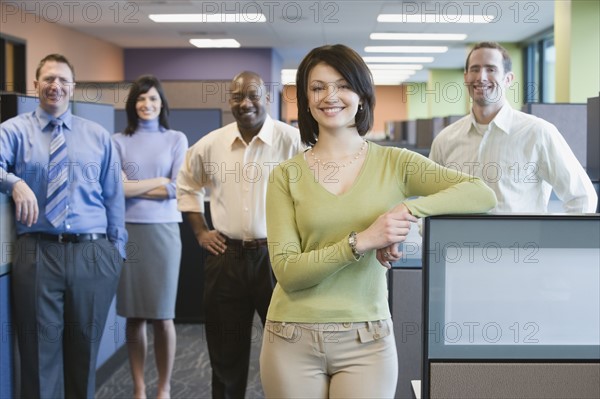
[(352, 242)]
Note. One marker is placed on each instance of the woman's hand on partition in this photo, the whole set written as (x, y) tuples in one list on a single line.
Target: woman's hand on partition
[(388, 229), (389, 254), (386, 256)]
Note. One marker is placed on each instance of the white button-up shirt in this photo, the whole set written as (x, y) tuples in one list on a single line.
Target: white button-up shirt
[(236, 174), (521, 157)]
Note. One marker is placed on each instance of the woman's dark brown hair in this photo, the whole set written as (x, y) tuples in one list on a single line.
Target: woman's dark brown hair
[(353, 69), (141, 86)]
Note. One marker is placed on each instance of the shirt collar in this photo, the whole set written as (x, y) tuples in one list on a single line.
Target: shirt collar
[(151, 126), (501, 120), (45, 118), (473, 123), (265, 134)]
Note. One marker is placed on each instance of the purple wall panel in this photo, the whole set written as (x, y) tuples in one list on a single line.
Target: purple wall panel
[(196, 64), (207, 64)]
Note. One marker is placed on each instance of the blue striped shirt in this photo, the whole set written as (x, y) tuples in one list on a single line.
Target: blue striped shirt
[(96, 202)]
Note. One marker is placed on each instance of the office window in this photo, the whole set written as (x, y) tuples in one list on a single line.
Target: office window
[(12, 68), (540, 61), (548, 70)]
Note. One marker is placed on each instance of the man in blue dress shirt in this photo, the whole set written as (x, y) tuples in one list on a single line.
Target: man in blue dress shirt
[(71, 236)]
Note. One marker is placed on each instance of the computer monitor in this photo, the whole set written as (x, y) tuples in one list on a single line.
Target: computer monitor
[(512, 287), (511, 306)]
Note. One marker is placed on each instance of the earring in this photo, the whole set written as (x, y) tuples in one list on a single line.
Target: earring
[(360, 107)]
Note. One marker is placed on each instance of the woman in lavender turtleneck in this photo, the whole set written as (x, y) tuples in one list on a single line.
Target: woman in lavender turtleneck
[(151, 155)]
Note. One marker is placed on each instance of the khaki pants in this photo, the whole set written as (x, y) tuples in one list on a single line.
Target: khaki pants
[(331, 360)]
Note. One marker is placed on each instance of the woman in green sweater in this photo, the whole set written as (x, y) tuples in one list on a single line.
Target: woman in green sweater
[(335, 215)]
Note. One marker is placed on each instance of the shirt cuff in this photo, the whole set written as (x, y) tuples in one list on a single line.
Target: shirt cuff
[(9, 182), (190, 203), (171, 190)]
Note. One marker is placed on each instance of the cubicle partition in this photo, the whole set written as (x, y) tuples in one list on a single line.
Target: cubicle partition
[(593, 143), (450, 119), (195, 123), (404, 133), (7, 237), (427, 130), (569, 119), (405, 288), (511, 306), (593, 138)]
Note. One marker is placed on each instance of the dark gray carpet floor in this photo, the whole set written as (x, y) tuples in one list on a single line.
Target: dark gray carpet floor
[(191, 371)]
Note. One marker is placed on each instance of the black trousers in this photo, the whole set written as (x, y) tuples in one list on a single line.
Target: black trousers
[(237, 283), (61, 296)]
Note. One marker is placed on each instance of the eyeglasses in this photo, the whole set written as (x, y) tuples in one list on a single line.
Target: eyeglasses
[(51, 79)]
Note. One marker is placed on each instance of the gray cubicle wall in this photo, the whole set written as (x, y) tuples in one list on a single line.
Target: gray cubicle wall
[(7, 237), (569, 119), (16, 104), (406, 305), (427, 129), (402, 132), (450, 119), (409, 132), (511, 306), (406, 291), (593, 138), (195, 123)]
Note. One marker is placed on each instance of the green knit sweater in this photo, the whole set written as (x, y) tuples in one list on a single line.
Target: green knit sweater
[(318, 278)]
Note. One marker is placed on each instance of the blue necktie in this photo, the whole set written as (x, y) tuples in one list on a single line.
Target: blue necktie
[(56, 198)]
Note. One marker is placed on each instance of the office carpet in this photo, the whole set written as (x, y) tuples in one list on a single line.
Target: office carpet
[(191, 370)]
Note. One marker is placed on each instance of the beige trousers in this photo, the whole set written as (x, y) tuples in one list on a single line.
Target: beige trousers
[(331, 360)]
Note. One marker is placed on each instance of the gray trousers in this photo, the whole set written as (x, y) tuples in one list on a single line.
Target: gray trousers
[(61, 296)]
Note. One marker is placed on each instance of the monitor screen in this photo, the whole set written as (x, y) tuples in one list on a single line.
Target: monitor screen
[(512, 287)]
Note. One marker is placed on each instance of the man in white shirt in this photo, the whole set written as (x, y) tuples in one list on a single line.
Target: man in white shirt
[(521, 157), (234, 163)]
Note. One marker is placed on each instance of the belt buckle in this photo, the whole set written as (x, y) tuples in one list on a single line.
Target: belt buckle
[(67, 238), (249, 244)]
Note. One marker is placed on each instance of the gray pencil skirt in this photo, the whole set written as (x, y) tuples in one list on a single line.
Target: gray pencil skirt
[(148, 283)]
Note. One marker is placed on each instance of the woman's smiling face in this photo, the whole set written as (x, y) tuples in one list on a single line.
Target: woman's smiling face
[(148, 105), (331, 101)]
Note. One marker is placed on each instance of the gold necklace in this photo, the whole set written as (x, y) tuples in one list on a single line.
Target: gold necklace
[(316, 160)]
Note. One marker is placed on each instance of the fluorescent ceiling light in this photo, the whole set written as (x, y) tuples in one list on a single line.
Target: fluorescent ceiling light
[(215, 43), (391, 74), (208, 18), (389, 81), (418, 36), (398, 59), (414, 67), (406, 49), (467, 18)]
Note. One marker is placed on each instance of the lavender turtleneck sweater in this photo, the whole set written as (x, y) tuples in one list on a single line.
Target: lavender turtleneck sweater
[(152, 151)]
